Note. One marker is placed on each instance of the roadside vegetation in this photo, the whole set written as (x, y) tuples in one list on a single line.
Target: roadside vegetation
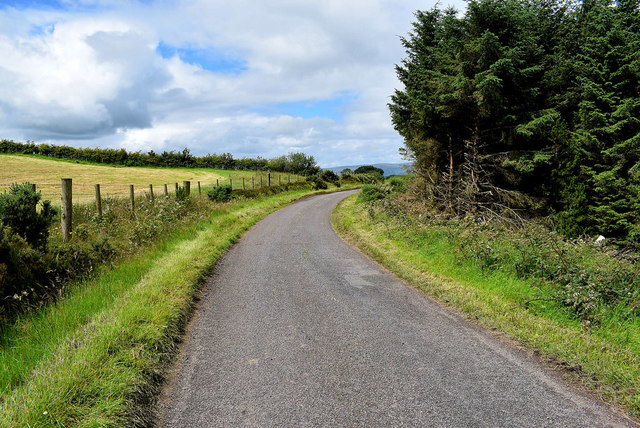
[(87, 341), (573, 301), (521, 121), (527, 107)]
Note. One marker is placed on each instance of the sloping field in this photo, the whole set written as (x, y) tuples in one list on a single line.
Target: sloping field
[(114, 181)]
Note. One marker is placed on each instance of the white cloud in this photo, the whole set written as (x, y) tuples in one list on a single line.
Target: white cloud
[(90, 74)]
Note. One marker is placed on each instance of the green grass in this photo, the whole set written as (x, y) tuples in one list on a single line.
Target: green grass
[(96, 357), (605, 359)]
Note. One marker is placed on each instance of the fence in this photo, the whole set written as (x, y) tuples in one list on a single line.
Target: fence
[(85, 193), (71, 193)]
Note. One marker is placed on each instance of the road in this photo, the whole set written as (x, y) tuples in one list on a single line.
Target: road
[(296, 328)]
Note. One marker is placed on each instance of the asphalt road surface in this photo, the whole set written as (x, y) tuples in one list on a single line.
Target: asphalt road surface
[(296, 328)]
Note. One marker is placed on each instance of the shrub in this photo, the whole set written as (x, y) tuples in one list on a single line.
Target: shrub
[(362, 178), (18, 210), (22, 272), (319, 184), (371, 193), (345, 173), (181, 193), (220, 193), (329, 176), (370, 169), (397, 184)]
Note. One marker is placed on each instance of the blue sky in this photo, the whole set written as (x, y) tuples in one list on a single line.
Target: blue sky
[(209, 59), (247, 77)]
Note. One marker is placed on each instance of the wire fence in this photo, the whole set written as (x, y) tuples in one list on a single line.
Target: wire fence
[(84, 193)]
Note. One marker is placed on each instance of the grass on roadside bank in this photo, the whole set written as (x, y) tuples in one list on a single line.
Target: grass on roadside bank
[(96, 357), (605, 358)]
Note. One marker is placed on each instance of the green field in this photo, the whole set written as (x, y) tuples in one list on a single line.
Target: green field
[(115, 180)]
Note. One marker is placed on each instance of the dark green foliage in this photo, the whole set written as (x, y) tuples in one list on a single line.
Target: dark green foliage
[(346, 173), (181, 193), (527, 105), (362, 178), (329, 176), (369, 169), (19, 211), (319, 184), (220, 193), (295, 163), (22, 273), (271, 190), (371, 193)]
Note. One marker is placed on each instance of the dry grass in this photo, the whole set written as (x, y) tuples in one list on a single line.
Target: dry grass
[(114, 181)]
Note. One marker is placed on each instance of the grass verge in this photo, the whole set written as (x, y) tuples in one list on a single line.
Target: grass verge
[(606, 360), (96, 357)]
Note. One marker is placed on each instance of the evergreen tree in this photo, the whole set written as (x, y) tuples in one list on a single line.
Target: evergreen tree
[(523, 101)]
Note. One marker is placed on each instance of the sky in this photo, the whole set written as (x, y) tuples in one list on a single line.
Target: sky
[(251, 78)]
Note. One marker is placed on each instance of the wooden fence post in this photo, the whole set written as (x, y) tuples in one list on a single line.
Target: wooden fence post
[(242, 183), (33, 187), (253, 183), (268, 179), (199, 189), (289, 178), (133, 198), (187, 187), (66, 203), (166, 191), (279, 177), (151, 192), (261, 182), (176, 188), (231, 183), (98, 201)]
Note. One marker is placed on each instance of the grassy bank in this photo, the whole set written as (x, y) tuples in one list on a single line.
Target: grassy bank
[(603, 357), (95, 358)]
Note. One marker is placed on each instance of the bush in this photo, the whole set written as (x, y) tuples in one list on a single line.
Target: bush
[(345, 173), (220, 193), (397, 184), (23, 272), (18, 210), (370, 169), (329, 176), (181, 193), (319, 184), (362, 178), (371, 193)]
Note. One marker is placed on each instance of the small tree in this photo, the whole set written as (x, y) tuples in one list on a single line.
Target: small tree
[(18, 211)]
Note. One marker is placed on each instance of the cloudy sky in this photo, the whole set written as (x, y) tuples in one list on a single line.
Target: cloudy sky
[(249, 77)]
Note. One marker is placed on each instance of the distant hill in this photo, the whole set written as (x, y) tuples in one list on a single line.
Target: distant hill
[(388, 168)]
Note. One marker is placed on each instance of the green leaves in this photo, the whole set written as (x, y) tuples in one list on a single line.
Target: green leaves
[(536, 97)]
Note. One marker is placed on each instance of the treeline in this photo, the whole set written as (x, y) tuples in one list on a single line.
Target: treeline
[(295, 163), (527, 107)]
